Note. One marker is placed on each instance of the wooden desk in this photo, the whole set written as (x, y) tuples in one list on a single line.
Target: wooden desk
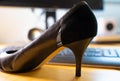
[(63, 73)]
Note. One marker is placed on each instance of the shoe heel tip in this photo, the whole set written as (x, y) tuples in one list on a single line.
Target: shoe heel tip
[(78, 75)]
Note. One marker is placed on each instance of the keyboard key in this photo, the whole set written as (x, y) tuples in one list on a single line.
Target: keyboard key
[(93, 52), (117, 52), (113, 52)]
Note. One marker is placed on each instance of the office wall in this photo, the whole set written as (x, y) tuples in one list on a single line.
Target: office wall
[(14, 24)]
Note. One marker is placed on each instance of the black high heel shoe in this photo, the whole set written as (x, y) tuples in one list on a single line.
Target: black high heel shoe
[(74, 30)]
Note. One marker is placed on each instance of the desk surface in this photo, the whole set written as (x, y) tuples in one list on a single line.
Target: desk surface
[(63, 73)]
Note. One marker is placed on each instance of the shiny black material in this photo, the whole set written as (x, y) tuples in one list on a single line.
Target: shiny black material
[(74, 30)]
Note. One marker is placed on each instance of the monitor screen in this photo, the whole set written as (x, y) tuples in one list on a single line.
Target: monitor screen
[(94, 4)]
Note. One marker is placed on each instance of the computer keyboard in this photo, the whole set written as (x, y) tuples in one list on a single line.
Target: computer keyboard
[(93, 57), (96, 57)]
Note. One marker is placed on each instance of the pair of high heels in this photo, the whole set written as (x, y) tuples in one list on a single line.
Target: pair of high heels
[(74, 30)]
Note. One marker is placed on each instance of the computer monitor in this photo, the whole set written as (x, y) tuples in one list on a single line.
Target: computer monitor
[(95, 4)]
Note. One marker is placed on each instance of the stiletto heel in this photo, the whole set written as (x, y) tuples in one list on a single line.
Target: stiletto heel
[(74, 30), (78, 49)]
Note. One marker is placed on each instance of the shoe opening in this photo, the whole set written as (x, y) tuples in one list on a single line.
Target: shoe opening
[(11, 51)]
